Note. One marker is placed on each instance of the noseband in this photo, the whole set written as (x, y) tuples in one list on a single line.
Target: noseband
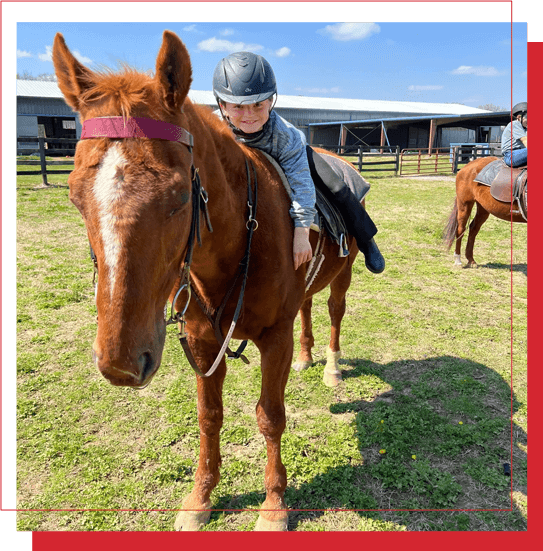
[(141, 127)]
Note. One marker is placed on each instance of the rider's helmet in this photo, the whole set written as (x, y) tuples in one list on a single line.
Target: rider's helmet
[(243, 77), (520, 108)]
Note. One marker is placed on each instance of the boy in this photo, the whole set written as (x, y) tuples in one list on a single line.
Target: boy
[(515, 137), (244, 86)]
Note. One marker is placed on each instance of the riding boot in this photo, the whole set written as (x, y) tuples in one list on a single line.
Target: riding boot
[(357, 220), (361, 227)]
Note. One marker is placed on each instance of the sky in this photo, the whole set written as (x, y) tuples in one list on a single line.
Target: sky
[(467, 63)]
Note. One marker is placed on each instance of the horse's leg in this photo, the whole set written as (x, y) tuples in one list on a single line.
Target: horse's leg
[(480, 218), (196, 506), (464, 212), (305, 359), (336, 308), (276, 348)]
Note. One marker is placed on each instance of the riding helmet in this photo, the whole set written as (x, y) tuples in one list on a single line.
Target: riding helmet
[(519, 108), (243, 77)]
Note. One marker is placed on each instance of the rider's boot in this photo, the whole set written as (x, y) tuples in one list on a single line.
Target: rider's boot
[(361, 227), (357, 220)]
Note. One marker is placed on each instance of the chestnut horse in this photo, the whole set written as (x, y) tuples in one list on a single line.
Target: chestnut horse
[(469, 192), (149, 168)]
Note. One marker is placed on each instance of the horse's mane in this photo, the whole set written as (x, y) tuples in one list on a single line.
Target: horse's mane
[(128, 86), (216, 124), (222, 132)]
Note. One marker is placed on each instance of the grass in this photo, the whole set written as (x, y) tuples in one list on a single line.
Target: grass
[(414, 439)]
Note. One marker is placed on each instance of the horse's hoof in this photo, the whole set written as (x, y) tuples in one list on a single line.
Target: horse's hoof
[(301, 365), (191, 521), (332, 378), (277, 525), (457, 260)]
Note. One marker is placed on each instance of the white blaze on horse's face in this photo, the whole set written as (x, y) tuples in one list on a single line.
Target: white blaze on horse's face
[(108, 191)]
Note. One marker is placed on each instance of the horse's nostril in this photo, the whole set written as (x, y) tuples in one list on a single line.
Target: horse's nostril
[(147, 365)]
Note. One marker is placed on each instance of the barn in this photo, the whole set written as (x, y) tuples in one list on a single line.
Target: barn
[(41, 111)]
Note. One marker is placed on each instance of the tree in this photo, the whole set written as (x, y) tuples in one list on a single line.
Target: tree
[(492, 107), (43, 76)]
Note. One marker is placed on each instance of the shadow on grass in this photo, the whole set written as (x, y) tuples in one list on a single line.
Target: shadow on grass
[(446, 428), (522, 268)]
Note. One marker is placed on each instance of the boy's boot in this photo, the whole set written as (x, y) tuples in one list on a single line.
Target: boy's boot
[(361, 227)]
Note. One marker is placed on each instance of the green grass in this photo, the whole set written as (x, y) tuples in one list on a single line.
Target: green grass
[(420, 423)]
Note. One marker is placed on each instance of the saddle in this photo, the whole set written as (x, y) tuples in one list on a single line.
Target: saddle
[(328, 215), (498, 176)]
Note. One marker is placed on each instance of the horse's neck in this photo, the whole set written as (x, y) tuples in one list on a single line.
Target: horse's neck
[(223, 170)]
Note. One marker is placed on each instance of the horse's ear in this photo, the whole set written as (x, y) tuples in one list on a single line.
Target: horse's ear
[(73, 77), (173, 71)]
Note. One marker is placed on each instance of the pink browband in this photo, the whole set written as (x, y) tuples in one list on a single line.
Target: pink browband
[(135, 127)]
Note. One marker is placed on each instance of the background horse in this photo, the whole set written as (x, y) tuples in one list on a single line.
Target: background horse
[(142, 195), (469, 192)]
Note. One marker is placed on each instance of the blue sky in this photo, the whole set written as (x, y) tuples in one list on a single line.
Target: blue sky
[(468, 63)]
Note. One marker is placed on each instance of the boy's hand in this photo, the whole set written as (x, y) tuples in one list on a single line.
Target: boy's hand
[(302, 249), (524, 140)]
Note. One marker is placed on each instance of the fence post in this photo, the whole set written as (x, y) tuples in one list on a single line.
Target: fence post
[(42, 161), (397, 167), (359, 158), (455, 159)]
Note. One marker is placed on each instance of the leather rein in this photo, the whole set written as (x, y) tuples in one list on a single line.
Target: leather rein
[(140, 127)]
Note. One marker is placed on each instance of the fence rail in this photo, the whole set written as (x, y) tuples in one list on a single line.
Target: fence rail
[(389, 156), (411, 161), (43, 149), (421, 161), (443, 160)]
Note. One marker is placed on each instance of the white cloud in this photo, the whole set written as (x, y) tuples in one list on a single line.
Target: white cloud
[(22, 53), (218, 45), (424, 87), (334, 90), (350, 31), (480, 71), (282, 52), (227, 32), (81, 57), (47, 56), (190, 29)]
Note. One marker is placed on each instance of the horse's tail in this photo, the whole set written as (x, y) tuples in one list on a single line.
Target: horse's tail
[(449, 233)]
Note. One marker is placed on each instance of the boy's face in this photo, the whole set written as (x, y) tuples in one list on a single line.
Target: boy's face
[(249, 118)]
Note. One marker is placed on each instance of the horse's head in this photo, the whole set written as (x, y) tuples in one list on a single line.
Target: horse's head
[(135, 198)]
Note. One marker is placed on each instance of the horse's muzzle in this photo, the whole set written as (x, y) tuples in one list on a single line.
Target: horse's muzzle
[(137, 374)]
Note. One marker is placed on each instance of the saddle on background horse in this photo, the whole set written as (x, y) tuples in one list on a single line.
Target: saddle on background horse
[(499, 177), (328, 215)]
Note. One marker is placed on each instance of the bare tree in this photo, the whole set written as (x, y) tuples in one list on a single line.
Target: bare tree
[(492, 107)]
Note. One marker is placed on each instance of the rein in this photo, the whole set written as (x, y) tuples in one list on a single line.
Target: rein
[(140, 127)]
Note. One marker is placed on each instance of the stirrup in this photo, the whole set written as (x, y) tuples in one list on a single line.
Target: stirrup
[(343, 249)]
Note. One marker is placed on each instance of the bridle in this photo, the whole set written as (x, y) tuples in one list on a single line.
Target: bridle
[(141, 127)]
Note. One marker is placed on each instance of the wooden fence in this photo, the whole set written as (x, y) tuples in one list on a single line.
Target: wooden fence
[(443, 160), (388, 156), (43, 150), (439, 160)]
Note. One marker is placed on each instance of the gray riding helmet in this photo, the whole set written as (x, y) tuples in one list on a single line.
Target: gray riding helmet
[(519, 108), (243, 77)]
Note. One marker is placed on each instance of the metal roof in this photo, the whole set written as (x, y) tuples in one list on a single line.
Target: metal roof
[(482, 118), (38, 88), (344, 104), (46, 89)]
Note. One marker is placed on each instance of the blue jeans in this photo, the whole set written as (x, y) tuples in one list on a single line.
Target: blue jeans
[(516, 157)]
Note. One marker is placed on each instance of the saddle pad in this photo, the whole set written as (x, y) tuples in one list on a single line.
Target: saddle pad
[(348, 174), (489, 172), (499, 176)]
